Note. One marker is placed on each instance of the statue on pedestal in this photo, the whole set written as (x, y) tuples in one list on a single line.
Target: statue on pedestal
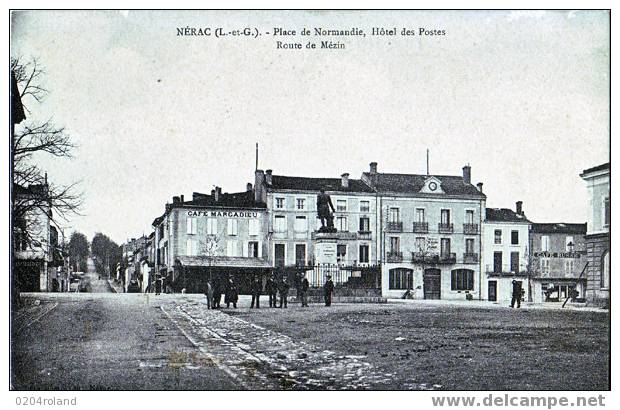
[(325, 210)]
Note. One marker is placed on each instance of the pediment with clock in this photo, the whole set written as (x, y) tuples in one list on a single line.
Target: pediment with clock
[(432, 185)]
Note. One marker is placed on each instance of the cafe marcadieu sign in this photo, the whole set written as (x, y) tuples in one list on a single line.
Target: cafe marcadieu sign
[(224, 214)]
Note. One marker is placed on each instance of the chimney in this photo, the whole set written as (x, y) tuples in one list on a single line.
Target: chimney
[(373, 168), (175, 200), (213, 192), (182, 198), (259, 185), (467, 174), (248, 187), (519, 207), (479, 185), (345, 180), (268, 176), (218, 193)]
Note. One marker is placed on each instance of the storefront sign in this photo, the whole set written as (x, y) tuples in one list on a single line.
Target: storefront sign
[(569, 255), (224, 214)]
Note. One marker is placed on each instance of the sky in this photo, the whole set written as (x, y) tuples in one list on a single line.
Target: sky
[(522, 97)]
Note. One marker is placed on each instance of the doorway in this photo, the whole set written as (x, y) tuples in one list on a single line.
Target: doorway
[(492, 291), (432, 283)]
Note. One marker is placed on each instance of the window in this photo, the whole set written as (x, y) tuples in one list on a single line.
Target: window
[(394, 244), (445, 247), (498, 236), (394, 215), (514, 261), (420, 215), (341, 253), (279, 251), (341, 205), (569, 266), (301, 204), (401, 278), (300, 254), (469, 216), (497, 262), (231, 248), (279, 224), (279, 203), (191, 247), (544, 266), (469, 246), (253, 227), (364, 206), (232, 226), (211, 226), (606, 212), (544, 243), (301, 224), (364, 224), (514, 237), (445, 216), (462, 279), (364, 255), (420, 244), (569, 244), (341, 224), (253, 249), (605, 270), (191, 226), (21, 241)]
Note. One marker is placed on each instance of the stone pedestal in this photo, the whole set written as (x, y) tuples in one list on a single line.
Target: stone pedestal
[(325, 251)]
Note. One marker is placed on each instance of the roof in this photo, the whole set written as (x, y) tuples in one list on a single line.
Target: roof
[(227, 261), (316, 184), (504, 215), (226, 200), (601, 167), (561, 227), (413, 183)]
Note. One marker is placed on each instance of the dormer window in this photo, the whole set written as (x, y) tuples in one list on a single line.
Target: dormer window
[(432, 185)]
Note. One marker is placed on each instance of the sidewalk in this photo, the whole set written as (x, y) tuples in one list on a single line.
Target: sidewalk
[(484, 304)]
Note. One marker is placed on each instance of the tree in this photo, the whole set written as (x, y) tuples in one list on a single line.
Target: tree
[(33, 137), (78, 251), (106, 252)]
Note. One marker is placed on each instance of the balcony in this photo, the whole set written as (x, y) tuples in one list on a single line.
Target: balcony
[(433, 259), (470, 257), (504, 271), (446, 228), (364, 235), (470, 229), (447, 258), (420, 227), (393, 257), (394, 226)]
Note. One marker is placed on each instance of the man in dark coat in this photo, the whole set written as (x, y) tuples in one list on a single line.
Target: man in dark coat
[(217, 293), (272, 289), (232, 293), (328, 289), (517, 292), (209, 295), (303, 291), (283, 288), (257, 289)]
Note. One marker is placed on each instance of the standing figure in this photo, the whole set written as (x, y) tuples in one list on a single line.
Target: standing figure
[(283, 288), (517, 292), (257, 289), (217, 293), (323, 206), (328, 289), (303, 290), (232, 293), (209, 295), (272, 289)]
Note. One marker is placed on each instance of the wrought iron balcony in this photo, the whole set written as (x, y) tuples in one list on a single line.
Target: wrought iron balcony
[(470, 257), (420, 227), (470, 228), (446, 228), (448, 258), (364, 235), (394, 256), (394, 226), (425, 258)]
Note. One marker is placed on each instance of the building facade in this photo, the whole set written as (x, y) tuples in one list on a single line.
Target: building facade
[(598, 234), (211, 236), (429, 241), (557, 262), (506, 253)]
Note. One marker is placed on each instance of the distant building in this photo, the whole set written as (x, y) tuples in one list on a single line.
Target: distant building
[(211, 236), (557, 261), (598, 234), (506, 253), (429, 238)]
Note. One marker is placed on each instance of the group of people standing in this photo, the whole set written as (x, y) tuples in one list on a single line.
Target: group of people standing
[(273, 288)]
